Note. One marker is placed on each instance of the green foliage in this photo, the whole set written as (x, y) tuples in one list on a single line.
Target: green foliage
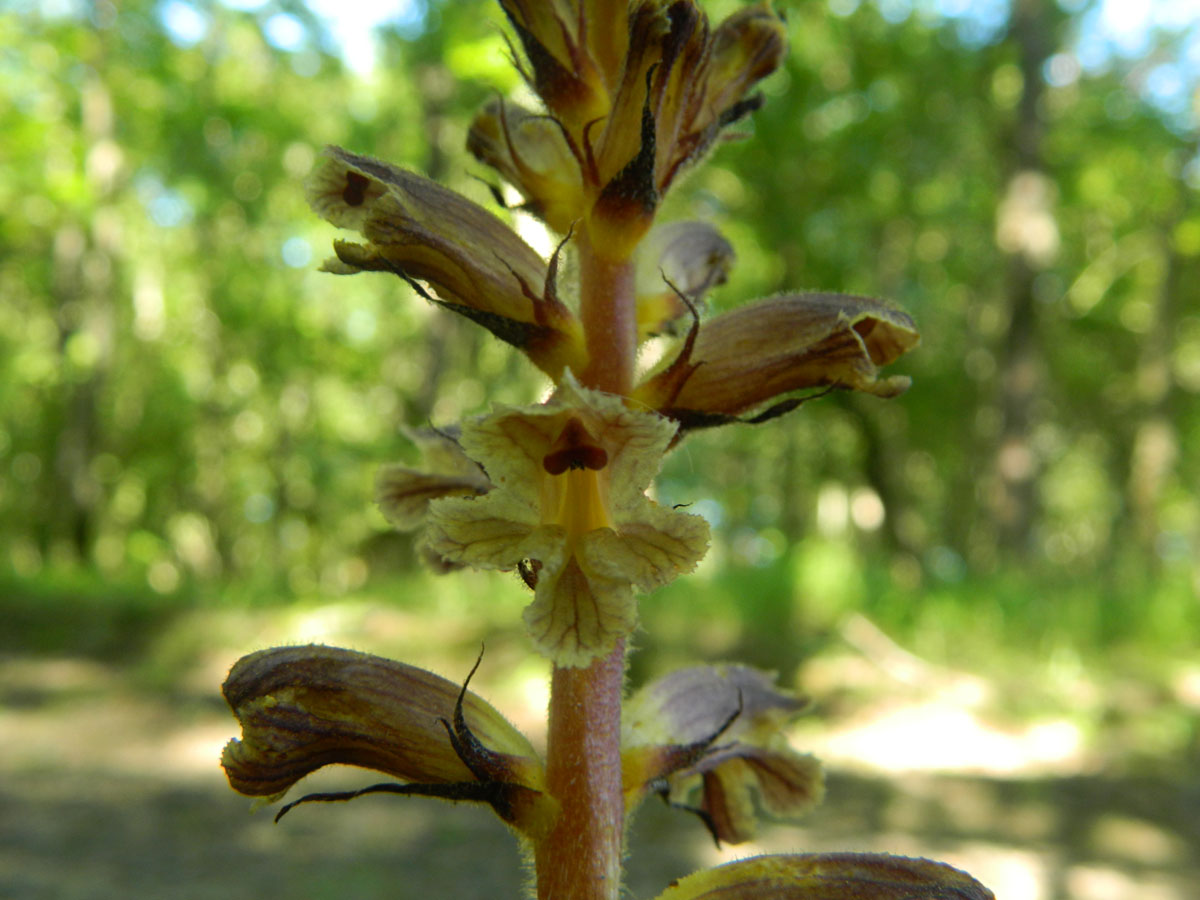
[(187, 405)]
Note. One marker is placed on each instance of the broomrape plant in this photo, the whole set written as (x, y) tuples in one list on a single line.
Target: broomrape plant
[(633, 94)]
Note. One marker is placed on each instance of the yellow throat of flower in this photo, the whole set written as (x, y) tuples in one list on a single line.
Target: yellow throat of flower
[(575, 484)]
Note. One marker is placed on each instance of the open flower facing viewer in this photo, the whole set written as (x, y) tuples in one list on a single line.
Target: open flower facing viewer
[(633, 95)]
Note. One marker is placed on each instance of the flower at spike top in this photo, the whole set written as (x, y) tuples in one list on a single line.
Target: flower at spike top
[(568, 504), (634, 94)]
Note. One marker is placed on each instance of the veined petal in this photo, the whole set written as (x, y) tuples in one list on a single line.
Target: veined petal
[(829, 876), (636, 441), (491, 532), (716, 732), (787, 783), (575, 618), (649, 548), (404, 494), (511, 445)]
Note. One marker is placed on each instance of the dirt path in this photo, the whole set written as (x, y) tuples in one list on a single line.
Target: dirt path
[(111, 790)]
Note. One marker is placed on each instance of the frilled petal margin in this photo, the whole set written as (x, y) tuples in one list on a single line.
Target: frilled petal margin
[(302, 708), (829, 876), (568, 494), (716, 732)]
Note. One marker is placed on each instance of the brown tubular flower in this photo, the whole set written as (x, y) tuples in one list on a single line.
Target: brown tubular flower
[(476, 265), (716, 732), (302, 708), (829, 876), (636, 91), (741, 360)]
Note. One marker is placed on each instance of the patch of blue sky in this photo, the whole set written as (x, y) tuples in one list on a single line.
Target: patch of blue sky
[(285, 32), (354, 35), (1126, 30), (183, 22)]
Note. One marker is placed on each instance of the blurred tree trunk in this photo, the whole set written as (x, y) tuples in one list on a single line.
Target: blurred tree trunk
[(1155, 447), (1026, 231), (85, 263)]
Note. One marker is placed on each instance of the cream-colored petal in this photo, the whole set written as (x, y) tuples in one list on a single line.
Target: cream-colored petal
[(441, 451), (575, 618), (649, 550), (490, 532), (511, 444)]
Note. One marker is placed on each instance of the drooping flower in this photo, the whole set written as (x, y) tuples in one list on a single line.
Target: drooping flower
[(568, 479), (302, 708), (740, 360), (710, 739), (476, 265), (677, 264)]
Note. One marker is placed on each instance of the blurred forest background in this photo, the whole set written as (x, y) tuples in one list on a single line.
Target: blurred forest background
[(191, 415)]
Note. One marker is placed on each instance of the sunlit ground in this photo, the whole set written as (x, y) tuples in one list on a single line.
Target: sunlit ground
[(109, 785)]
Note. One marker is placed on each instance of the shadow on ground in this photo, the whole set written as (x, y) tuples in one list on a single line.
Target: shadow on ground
[(83, 835)]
